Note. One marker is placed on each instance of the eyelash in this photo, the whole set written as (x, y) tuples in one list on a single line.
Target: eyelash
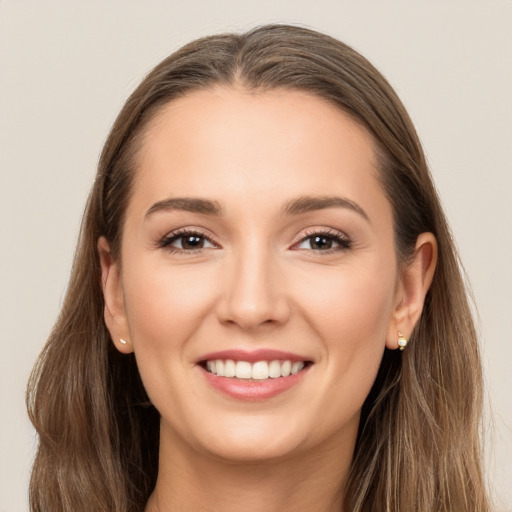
[(167, 240), (343, 241)]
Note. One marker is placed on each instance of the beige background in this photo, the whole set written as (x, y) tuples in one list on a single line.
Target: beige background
[(66, 68)]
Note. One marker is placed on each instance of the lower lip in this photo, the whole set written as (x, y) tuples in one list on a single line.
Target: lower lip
[(253, 390)]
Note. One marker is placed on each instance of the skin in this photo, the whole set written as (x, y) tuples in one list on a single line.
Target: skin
[(258, 282)]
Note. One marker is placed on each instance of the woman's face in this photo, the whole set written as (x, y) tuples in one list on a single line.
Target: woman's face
[(257, 241)]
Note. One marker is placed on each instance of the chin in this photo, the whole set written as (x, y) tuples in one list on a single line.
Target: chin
[(247, 451), (249, 439)]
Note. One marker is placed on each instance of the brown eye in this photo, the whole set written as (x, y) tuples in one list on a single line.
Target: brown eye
[(324, 242), (189, 242), (186, 241), (320, 242)]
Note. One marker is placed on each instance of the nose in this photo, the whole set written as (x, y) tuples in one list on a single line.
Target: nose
[(254, 292)]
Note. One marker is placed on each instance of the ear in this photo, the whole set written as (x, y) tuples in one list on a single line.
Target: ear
[(414, 283), (111, 282)]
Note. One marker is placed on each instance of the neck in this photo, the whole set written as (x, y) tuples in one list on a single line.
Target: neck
[(191, 481)]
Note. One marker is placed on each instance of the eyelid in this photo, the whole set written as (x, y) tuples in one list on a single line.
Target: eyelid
[(165, 241), (344, 241)]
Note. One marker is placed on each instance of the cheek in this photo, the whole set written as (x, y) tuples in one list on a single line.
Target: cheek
[(351, 315), (164, 305), (346, 301)]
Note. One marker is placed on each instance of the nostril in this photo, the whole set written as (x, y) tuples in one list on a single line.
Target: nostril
[(252, 295), (250, 318)]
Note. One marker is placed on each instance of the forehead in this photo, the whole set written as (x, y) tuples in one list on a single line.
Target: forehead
[(231, 142), (289, 114)]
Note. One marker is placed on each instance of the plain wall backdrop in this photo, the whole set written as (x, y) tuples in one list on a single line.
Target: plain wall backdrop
[(67, 67)]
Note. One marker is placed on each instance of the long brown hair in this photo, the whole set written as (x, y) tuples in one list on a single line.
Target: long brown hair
[(418, 444)]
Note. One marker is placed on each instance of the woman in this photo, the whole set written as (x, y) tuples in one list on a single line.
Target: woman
[(262, 238)]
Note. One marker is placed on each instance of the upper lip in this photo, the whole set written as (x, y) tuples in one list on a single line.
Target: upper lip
[(252, 356)]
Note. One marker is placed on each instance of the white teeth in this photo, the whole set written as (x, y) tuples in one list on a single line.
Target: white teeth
[(286, 368), (243, 370), (274, 369), (260, 370), (229, 368), (297, 367)]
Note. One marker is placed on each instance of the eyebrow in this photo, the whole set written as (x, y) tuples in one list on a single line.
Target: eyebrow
[(303, 204), (306, 204), (188, 204)]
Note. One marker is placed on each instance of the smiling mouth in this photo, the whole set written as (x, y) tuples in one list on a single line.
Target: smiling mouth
[(256, 371)]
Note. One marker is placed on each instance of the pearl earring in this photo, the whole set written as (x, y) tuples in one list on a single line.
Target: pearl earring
[(402, 341), (123, 341)]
